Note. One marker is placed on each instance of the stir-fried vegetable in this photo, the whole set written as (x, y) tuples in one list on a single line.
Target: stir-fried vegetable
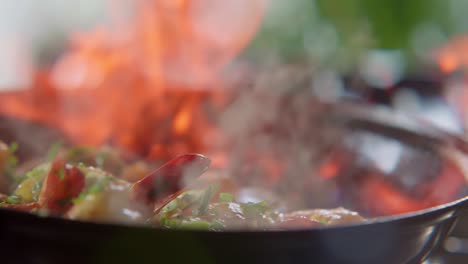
[(8, 163), (93, 185)]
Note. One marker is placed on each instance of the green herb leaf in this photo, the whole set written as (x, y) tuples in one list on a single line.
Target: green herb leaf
[(164, 221), (217, 226), (205, 200), (14, 199), (36, 190), (171, 206), (176, 206), (197, 224), (97, 187), (13, 147), (322, 220), (226, 197), (173, 223), (62, 173), (100, 159), (253, 210), (54, 150), (12, 160), (36, 172), (81, 165)]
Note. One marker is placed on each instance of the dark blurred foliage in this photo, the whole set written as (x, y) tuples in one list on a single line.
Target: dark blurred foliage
[(392, 21), (338, 33)]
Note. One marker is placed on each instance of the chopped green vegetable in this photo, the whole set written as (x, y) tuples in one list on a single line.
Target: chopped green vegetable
[(253, 210), (176, 206), (54, 150), (200, 208), (14, 199), (31, 185), (36, 190), (13, 147), (320, 219), (97, 187), (79, 198), (196, 224), (105, 158), (173, 223), (205, 200), (36, 172), (78, 153), (62, 173), (226, 197), (163, 221), (10, 162), (171, 206), (217, 226), (182, 201), (100, 159)]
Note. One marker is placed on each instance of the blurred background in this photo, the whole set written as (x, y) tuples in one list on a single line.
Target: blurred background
[(377, 44), (330, 33), (342, 34)]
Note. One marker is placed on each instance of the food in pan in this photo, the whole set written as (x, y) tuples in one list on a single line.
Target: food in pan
[(99, 184)]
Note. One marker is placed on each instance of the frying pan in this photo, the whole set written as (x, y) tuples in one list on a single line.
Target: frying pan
[(402, 238)]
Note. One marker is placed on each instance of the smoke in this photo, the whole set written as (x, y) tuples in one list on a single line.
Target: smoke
[(279, 135), (276, 138)]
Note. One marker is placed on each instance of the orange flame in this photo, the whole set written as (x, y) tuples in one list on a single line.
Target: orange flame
[(142, 84), (393, 201)]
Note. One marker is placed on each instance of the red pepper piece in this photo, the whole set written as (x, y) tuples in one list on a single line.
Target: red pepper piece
[(163, 202), (63, 183), (166, 180)]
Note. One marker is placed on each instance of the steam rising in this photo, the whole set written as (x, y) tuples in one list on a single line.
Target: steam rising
[(276, 138), (279, 136)]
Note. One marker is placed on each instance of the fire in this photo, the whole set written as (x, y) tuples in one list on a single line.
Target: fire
[(143, 84), (182, 121), (391, 200)]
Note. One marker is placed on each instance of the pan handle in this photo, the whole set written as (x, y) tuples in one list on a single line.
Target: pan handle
[(457, 240)]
